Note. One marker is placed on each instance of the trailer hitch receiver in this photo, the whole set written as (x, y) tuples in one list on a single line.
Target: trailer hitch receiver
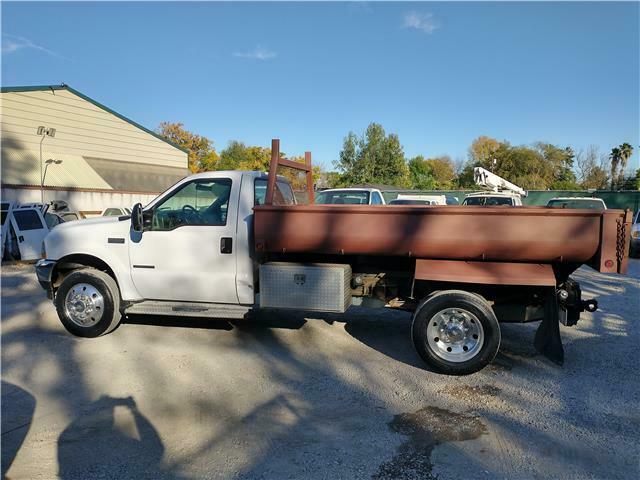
[(589, 305)]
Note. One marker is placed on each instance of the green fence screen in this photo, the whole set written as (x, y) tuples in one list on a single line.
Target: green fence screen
[(622, 199)]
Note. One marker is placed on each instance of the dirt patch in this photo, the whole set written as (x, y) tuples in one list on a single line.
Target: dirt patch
[(426, 428), (468, 392)]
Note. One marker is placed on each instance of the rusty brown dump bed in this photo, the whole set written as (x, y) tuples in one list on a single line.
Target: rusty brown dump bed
[(500, 234)]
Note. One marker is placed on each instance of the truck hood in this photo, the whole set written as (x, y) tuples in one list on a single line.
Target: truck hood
[(87, 222), (82, 236)]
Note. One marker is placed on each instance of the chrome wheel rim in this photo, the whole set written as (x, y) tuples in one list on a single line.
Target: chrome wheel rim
[(455, 334), (84, 305)]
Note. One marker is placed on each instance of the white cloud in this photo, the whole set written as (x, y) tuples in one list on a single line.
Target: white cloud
[(14, 43), (420, 21), (258, 53)]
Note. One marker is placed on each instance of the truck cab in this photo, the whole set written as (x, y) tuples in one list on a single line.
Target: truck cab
[(198, 230), (350, 196), (493, 199)]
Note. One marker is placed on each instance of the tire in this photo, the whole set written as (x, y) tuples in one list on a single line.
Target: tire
[(88, 303), (469, 329)]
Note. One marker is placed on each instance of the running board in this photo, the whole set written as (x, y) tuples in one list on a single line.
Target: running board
[(183, 309)]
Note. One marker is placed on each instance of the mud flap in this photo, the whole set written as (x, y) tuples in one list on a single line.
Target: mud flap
[(547, 340)]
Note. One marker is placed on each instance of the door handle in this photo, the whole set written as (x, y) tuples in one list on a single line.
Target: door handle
[(21, 239), (226, 245)]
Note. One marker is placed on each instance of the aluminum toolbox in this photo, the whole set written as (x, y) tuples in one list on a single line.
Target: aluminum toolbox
[(324, 287)]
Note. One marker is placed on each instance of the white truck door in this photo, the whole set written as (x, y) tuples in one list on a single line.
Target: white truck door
[(6, 211), (189, 251), (30, 228)]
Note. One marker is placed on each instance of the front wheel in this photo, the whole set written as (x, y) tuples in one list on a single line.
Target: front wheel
[(88, 303), (456, 332)]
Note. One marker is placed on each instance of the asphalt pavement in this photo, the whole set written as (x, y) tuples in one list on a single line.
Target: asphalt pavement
[(329, 397)]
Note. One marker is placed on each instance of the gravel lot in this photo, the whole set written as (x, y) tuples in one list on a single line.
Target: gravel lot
[(327, 398)]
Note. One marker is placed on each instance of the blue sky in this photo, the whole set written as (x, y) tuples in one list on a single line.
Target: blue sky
[(437, 74)]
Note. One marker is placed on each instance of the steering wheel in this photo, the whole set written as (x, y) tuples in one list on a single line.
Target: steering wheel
[(189, 212)]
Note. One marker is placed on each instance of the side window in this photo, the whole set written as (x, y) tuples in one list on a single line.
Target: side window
[(52, 220), (112, 212), (283, 194), (200, 202), (376, 199), (27, 220)]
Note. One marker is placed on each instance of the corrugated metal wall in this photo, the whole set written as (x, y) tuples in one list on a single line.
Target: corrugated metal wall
[(82, 128), (85, 133)]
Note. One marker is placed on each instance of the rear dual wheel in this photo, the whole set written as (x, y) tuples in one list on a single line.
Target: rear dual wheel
[(456, 332)]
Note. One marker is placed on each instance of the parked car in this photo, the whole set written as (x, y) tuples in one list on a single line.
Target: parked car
[(115, 212), (407, 201), (577, 202), (350, 196), (493, 199), (25, 230), (635, 237), (433, 199), (24, 226)]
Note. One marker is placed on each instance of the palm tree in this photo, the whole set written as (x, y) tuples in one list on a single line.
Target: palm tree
[(626, 151), (615, 161)]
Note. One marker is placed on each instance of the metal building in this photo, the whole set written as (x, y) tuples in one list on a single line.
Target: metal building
[(63, 145)]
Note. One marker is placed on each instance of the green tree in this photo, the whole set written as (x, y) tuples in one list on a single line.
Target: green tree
[(626, 150), (421, 174), (202, 156), (238, 156), (348, 162), (540, 167), (443, 171), (559, 166), (591, 175), (375, 157), (615, 157), (465, 177), (631, 182), (330, 180), (232, 156), (483, 150)]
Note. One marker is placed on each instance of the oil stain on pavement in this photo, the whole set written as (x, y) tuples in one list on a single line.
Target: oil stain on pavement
[(426, 428)]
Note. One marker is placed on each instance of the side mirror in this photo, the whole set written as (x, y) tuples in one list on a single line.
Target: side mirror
[(136, 217)]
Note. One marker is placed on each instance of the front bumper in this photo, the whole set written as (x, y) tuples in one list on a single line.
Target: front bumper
[(44, 272)]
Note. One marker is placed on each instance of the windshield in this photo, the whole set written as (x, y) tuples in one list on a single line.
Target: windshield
[(336, 197), (594, 204), (410, 202), (488, 201)]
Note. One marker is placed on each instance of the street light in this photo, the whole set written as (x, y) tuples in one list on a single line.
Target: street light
[(44, 132), (46, 165)]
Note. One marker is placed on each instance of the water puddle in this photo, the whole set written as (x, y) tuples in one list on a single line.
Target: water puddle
[(425, 429)]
